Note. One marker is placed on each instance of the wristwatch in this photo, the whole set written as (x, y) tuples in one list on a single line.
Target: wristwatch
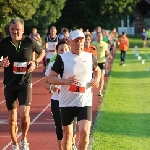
[(36, 63), (50, 88)]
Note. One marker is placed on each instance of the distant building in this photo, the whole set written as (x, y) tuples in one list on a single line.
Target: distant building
[(142, 16)]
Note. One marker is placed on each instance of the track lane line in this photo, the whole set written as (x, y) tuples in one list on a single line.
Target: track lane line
[(32, 122)]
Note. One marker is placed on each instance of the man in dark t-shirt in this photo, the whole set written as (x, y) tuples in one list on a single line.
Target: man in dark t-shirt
[(17, 51)]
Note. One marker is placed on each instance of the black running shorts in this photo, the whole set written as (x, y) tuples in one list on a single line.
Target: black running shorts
[(14, 93), (82, 113), (102, 66)]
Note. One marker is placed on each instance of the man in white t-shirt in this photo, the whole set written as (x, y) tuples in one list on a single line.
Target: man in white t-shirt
[(75, 68), (51, 41)]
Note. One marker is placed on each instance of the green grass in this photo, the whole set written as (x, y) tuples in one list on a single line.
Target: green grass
[(124, 117), (136, 42)]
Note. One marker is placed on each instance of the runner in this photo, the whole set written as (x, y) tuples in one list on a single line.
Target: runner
[(36, 36), (76, 89), (51, 41), (106, 38), (65, 34), (115, 37), (148, 36), (87, 45), (102, 52), (17, 51), (61, 47), (94, 34)]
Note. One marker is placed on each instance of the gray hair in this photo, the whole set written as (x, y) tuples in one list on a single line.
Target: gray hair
[(16, 20)]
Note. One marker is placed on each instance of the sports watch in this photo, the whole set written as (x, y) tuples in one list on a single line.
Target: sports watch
[(36, 63), (50, 88)]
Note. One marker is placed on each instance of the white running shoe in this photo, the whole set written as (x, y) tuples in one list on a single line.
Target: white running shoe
[(24, 145), (74, 147), (15, 147)]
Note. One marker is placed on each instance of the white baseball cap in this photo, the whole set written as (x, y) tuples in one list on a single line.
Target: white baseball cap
[(75, 34)]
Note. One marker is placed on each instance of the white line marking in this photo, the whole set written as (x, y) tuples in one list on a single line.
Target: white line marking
[(42, 123), (5, 148), (2, 102), (39, 123), (38, 80)]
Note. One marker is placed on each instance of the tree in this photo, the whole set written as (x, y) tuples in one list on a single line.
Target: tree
[(49, 11), (92, 13), (16, 8)]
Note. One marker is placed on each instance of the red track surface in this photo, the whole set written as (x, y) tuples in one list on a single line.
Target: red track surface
[(41, 134)]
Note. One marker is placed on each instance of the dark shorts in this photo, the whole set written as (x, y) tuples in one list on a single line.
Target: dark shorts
[(101, 65), (148, 38), (44, 61), (112, 47), (144, 38), (47, 61), (82, 113), (14, 93)]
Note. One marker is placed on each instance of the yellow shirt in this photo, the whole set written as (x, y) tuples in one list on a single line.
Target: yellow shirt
[(101, 48)]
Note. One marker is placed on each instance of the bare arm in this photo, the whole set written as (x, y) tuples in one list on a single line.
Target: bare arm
[(53, 79), (96, 78), (46, 84), (108, 54), (38, 59), (40, 56), (97, 74)]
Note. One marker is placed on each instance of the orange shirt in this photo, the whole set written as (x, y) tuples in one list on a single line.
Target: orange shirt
[(123, 43), (91, 49)]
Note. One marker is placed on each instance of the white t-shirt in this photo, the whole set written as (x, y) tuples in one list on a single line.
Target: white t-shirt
[(80, 66), (51, 42), (55, 95)]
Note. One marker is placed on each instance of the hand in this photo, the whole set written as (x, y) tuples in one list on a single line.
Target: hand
[(5, 62), (72, 80), (54, 88), (94, 83), (31, 65), (110, 56)]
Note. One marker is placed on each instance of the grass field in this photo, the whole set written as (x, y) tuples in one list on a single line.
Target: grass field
[(123, 122)]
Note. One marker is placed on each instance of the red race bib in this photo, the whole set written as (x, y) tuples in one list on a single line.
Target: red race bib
[(75, 88), (20, 67)]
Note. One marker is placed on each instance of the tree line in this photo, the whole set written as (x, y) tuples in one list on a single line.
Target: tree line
[(65, 13)]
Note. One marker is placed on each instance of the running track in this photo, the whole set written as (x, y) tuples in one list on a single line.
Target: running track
[(41, 134)]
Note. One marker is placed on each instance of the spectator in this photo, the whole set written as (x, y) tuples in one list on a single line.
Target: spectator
[(144, 37), (123, 47)]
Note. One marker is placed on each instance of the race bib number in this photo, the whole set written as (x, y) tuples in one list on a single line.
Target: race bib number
[(77, 89), (20, 67)]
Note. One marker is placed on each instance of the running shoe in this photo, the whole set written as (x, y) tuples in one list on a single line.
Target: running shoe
[(74, 147), (15, 147), (106, 72), (24, 145), (100, 93), (123, 64)]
